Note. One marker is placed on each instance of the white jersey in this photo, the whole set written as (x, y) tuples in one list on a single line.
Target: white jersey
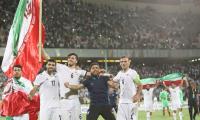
[(175, 94), (48, 90), (127, 85), (148, 96), (175, 98), (66, 74)]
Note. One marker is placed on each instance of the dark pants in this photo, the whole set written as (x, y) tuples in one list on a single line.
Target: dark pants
[(192, 106), (104, 110)]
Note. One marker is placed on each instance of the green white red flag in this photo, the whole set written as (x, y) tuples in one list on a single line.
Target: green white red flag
[(22, 44), (175, 78)]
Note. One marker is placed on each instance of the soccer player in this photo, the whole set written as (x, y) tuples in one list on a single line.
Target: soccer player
[(18, 83), (175, 100), (164, 95), (148, 100), (130, 90), (97, 86), (48, 84), (69, 103), (192, 94)]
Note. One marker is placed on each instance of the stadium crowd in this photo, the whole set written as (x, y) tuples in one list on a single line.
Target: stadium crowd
[(76, 24)]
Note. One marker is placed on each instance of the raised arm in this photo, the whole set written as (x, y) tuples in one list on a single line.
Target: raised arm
[(45, 55)]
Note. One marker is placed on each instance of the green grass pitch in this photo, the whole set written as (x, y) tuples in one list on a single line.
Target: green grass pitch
[(157, 115)]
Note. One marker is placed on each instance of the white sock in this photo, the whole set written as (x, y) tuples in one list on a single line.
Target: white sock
[(181, 115), (174, 116), (148, 116)]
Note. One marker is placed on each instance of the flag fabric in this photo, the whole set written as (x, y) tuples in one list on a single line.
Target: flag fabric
[(22, 48), (175, 78), (148, 81), (22, 44)]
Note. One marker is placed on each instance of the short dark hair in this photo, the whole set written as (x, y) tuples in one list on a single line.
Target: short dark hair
[(51, 60), (17, 66), (94, 63), (125, 57), (70, 54)]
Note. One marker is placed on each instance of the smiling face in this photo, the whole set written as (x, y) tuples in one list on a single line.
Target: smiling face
[(51, 66), (125, 63), (17, 72), (95, 69), (72, 60)]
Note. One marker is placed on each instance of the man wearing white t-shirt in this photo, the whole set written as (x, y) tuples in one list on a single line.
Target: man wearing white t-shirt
[(48, 84), (175, 101), (70, 104), (70, 107), (148, 101), (130, 90)]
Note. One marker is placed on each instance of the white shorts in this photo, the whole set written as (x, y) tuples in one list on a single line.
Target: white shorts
[(127, 111), (175, 105), (49, 114), (70, 109), (22, 117), (148, 107)]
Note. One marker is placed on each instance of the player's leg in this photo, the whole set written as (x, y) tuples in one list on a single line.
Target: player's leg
[(195, 111), (106, 113), (164, 111), (180, 113), (122, 112), (93, 113), (76, 110), (190, 109), (65, 109), (168, 111), (132, 111), (45, 114)]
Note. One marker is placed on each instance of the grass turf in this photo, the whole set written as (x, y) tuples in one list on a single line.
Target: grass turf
[(157, 115)]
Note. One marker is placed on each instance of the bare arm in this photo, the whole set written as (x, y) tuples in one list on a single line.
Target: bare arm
[(113, 84), (73, 87), (45, 55), (137, 81), (33, 91)]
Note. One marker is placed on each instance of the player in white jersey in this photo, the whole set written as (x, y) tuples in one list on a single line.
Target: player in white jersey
[(48, 84), (175, 100), (70, 107), (70, 104), (18, 83), (130, 90), (148, 101)]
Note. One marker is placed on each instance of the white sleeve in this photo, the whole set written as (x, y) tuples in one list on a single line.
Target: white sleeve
[(30, 86), (82, 73), (38, 80), (61, 68), (117, 78)]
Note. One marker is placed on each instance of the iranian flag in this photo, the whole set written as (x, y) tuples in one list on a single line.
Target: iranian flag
[(22, 48), (175, 78), (148, 81), (22, 44)]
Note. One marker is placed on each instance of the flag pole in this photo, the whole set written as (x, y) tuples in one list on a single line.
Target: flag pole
[(40, 32)]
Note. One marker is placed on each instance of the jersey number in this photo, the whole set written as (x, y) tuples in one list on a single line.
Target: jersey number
[(53, 83), (72, 75)]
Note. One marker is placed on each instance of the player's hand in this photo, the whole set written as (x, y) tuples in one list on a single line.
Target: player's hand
[(30, 97), (67, 84), (136, 98), (102, 70)]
